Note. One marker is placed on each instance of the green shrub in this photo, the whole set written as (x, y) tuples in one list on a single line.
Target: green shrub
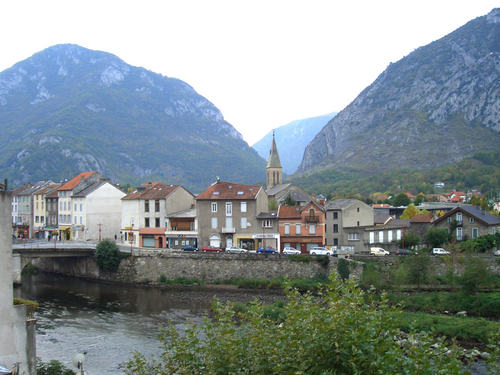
[(343, 268), (107, 255), (29, 269), (343, 330), (163, 279), (52, 367), (476, 275), (305, 258), (372, 277)]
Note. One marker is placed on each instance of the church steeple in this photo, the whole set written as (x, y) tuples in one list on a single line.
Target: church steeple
[(274, 171)]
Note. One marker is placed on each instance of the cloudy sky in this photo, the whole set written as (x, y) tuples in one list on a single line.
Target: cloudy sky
[(262, 63)]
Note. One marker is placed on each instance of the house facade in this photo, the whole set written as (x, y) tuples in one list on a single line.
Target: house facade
[(182, 229), (387, 235), (346, 223), (145, 212), (468, 222), (302, 227), (227, 215), (52, 213)]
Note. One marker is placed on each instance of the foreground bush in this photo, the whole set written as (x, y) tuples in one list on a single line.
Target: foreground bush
[(342, 331), (52, 368)]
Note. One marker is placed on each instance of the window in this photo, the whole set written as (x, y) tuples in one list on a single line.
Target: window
[(146, 222), (398, 234), (297, 228), (213, 207), (146, 206), (449, 219), (358, 209), (266, 224), (229, 208), (287, 228), (335, 241), (312, 228), (353, 236), (372, 237), (74, 219), (214, 223), (459, 234), (475, 232), (243, 206), (157, 222), (389, 236), (358, 223), (471, 220), (229, 222), (76, 207), (335, 228), (81, 207), (64, 206), (157, 205), (459, 217), (41, 219), (335, 215), (81, 220), (243, 223), (36, 219), (381, 236)]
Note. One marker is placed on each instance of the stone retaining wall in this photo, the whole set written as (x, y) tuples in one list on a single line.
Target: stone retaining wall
[(210, 268)]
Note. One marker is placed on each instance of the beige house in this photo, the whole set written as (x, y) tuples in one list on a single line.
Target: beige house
[(469, 222), (145, 214), (40, 218), (227, 216), (346, 221)]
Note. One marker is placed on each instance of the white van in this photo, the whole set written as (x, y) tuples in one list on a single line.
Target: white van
[(378, 251)]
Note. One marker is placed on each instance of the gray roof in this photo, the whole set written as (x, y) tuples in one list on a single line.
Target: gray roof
[(482, 215), (297, 196), (272, 191), (34, 188), (268, 215), (340, 204), (438, 206), (89, 189), (381, 219), (274, 158), (189, 213)]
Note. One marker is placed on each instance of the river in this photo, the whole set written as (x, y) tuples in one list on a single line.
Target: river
[(110, 321)]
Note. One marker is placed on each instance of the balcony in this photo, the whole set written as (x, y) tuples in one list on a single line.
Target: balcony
[(312, 219), (228, 230)]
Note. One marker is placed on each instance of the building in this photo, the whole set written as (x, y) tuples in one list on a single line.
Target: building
[(302, 227), (89, 208), (145, 212), (421, 223), (274, 170), (227, 215), (182, 229), (17, 223), (387, 235), (52, 213), (468, 222), (17, 325), (346, 223), (41, 221), (26, 206)]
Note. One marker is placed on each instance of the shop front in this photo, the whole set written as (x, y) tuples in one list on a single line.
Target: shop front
[(152, 238), (64, 232), (267, 240), (179, 240)]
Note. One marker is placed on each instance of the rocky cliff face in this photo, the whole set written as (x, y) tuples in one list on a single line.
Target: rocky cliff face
[(434, 107), (68, 109)]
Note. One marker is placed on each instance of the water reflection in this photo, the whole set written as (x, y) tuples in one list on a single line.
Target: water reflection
[(109, 322)]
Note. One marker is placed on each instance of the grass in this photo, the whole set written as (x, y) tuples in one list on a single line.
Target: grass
[(486, 305), (301, 284), (476, 330)]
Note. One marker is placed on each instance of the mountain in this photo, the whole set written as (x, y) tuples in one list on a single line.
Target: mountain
[(291, 140), (68, 109), (435, 107)]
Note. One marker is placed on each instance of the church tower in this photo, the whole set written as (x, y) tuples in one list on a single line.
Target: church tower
[(274, 171)]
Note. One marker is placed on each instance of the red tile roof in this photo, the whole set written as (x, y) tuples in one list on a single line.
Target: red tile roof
[(228, 190), (71, 184), (153, 190), (422, 218), (289, 211)]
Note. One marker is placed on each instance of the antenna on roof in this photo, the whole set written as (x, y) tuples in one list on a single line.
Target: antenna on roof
[(218, 179)]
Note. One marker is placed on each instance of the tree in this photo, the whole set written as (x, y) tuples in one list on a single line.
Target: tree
[(409, 239), (272, 204), (418, 269), (343, 329), (343, 268), (410, 212), (52, 367), (107, 255), (419, 199), (476, 274), (436, 237), (289, 201), (401, 200)]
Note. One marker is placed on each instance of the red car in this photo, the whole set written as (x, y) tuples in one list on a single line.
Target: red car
[(212, 249)]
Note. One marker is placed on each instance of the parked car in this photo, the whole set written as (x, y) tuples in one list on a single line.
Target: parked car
[(319, 250), (235, 249), (440, 251), (188, 248), (378, 251), (290, 250), (496, 253), (262, 250), (212, 249), (404, 252)]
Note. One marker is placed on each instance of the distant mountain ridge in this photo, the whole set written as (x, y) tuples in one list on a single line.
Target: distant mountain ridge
[(68, 109), (292, 139), (438, 105)]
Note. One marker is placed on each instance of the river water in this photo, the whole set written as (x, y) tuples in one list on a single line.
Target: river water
[(110, 322)]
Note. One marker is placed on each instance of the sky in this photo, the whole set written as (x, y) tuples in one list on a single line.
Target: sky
[(263, 64)]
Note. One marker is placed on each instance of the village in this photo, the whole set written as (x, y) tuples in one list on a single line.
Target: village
[(246, 218)]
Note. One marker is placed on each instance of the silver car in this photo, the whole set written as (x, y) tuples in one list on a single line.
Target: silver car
[(290, 250), (318, 250), (235, 250)]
